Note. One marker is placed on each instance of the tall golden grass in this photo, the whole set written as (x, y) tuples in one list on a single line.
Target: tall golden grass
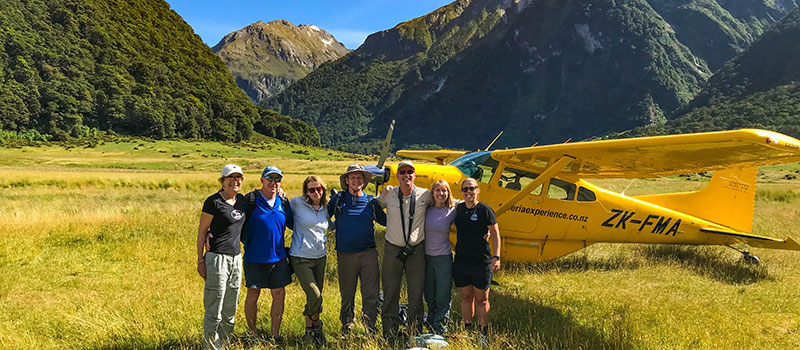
[(97, 258)]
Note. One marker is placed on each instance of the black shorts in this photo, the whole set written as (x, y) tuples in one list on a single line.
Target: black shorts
[(478, 276), (267, 275)]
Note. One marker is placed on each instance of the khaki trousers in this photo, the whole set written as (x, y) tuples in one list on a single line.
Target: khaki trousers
[(393, 269), (352, 267), (220, 297), (311, 275)]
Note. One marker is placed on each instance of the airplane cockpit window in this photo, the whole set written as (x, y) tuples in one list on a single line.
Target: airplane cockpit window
[(586, 195), (515, 179), (479, 166), (560, 189)]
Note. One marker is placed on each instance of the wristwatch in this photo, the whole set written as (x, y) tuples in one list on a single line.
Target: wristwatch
[(496, 257)]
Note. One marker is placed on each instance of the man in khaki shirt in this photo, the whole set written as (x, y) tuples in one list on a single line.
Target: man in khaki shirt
[(403, 251)]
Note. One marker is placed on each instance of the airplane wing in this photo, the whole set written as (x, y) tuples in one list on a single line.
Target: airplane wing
[(439, 156), (661, 155)]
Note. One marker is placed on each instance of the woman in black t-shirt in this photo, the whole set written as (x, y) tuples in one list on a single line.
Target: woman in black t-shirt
[(221, 265), (475, 260)]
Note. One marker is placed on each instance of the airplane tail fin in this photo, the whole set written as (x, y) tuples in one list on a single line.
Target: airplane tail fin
[(727, 200)]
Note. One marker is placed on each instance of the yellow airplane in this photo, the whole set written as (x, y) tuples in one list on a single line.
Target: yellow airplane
[(546, 209)]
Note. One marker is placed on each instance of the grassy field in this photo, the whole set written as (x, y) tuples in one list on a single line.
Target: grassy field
[(97, 252)]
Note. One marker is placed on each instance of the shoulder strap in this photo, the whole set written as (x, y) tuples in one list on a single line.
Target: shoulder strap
[(251, 205), (411, 207)]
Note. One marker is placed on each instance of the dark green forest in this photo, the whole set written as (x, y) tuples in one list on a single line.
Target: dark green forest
[(541, 71), (760, 88), (134, 67)]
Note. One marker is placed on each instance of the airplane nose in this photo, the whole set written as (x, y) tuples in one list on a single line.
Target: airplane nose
[(379, 174)]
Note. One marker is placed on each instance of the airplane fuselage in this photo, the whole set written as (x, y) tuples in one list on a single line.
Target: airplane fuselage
[(561, 216)]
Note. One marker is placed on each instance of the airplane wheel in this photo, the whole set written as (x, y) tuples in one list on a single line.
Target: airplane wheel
[(751, 259)]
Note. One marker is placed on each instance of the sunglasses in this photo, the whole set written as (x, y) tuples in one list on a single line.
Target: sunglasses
[(235, 177), (469, 189), (403, 172), (273, 179), (314, 189)]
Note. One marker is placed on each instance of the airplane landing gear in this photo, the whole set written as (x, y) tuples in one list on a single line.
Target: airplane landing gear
[(750, 259)]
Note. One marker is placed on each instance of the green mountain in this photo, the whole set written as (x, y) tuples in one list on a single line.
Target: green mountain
[(541, 70), (265, 58), (133, 66), (758, 89)]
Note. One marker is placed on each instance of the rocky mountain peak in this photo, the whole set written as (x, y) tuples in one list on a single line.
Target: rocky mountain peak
[(265, 58)]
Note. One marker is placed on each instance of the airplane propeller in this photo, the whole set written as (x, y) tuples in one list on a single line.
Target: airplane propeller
[(379, 173)]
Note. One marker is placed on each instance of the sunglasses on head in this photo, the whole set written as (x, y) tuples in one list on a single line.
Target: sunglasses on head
[(407, 171), (314, 189), (469, 188), (273, 179)]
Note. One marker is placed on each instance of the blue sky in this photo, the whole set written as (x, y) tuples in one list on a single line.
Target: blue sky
[(350, 21)]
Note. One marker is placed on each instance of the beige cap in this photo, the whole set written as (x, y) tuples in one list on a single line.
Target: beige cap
[(405, 163)]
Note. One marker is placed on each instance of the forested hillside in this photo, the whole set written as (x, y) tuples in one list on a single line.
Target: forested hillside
[(541, 70), (758, 89), (132, 66)]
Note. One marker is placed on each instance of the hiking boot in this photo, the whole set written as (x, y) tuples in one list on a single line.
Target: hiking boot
[(250, 341), (483, 336), (308, 336), (277, 340), (317, 334)]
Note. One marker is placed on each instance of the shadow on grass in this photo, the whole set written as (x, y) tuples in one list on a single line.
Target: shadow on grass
[(710, 262), (575, 263), (523, 323)]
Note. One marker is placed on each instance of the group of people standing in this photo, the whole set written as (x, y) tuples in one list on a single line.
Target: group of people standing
[(416, 245)]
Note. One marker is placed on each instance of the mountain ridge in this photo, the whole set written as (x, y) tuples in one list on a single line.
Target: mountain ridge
[(265, 58), (543, 71)]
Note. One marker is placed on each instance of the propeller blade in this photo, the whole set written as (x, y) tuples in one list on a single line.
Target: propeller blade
[(386, 144)]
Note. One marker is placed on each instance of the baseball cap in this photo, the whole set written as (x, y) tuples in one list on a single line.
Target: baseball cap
[(405, 163), (231, 169), (271, 170)]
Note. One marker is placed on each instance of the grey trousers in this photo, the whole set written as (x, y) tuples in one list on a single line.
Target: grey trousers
[(220, 297), (311, 275), (352, 267), (438, 290), (393, 270)]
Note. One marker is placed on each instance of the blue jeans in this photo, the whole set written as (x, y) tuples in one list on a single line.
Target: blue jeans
[(438, 289)]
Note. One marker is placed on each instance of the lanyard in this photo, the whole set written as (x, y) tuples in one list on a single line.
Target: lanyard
[(411, 208)]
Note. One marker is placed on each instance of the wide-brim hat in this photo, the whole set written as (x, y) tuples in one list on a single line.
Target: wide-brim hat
[(354, 168)]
